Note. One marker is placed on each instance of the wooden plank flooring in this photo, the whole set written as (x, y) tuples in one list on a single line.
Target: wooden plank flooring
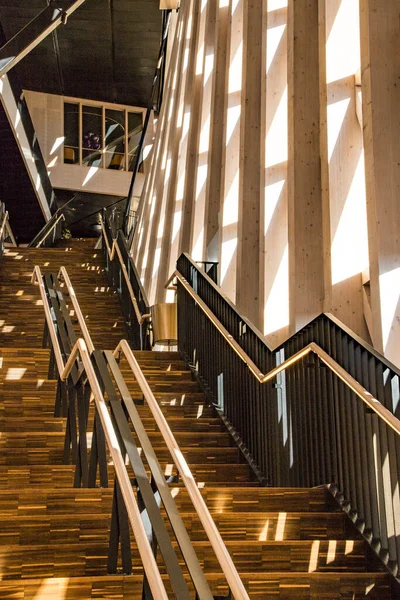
[(287, 543)]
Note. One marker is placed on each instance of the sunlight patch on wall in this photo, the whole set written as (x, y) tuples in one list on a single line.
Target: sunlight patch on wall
[(343, 45), (156, 264), (235, 71), (272, 194), (57, 144), (167, 171), (389, 285), (350, 244), (276, 311), (228, 250), (186, 124), (208, 67), (199, 60), (197, 251), (274, 38), (276, 4), (201, 178), (160, 230), (231, 204), (205, 137), (235, 4), (52, 162), (336, 115), (92, 171), (232, 118), (176, 224), (277, 135), (181, 186)]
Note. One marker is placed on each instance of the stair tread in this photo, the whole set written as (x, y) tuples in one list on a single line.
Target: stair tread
[(264, 528)]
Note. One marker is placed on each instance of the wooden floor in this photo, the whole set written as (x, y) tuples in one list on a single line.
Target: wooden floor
[(286, 543)]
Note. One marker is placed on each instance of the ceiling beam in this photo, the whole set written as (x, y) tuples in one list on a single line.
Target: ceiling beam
[(35, 31)]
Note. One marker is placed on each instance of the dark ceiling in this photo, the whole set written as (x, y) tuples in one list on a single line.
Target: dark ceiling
[(107, 51)]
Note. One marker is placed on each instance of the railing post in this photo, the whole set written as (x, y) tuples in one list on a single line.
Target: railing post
[(119, 532)]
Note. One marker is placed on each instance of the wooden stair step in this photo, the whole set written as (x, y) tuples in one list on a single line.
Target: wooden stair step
[(73, 501), (43, 528), (54, 454), (48, 440), (260, 499), (261, 586), (89, 557), (61, 475), (221, 501), (274, 526), (28, 425), (52, 424)]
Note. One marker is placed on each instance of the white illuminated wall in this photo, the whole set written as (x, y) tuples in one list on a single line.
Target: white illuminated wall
[(47, 113), (230, 168)]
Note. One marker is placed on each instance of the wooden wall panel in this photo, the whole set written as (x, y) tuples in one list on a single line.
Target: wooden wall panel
[(258, 161), (306, 243), (380, 69), (275, 163)]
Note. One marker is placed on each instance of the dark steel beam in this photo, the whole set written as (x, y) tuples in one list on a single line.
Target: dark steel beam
[(158, 71), (35, 31)]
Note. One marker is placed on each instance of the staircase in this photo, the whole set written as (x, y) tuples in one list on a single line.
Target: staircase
[(286, 543)]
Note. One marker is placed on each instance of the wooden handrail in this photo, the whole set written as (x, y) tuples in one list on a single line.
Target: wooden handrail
[(40, 242), (80, 350), (222, 554), (372, 402), (62, 274), (111, 252), (37, 277)]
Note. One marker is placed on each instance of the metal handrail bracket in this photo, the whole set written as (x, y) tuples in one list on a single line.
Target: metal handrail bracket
[(372, 402), (221, 552)]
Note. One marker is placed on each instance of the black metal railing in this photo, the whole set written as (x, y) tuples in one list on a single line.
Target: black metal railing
[(306, 427), (154, 103), (50, 233), (138, 332), (92, 463)]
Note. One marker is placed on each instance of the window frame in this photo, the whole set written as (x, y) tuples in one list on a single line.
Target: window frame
[(104, 106)]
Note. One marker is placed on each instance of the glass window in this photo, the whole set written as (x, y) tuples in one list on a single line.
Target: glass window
[(71, 133), (135, 126), (92, 138), (101, 137), (115, 140)]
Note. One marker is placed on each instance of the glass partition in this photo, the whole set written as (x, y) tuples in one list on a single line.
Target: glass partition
[(71, 133), (115, 139), (92, 135), (135, 127), (95, 136)]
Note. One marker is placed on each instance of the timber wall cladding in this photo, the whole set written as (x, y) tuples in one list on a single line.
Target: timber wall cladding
[(258, 161)]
